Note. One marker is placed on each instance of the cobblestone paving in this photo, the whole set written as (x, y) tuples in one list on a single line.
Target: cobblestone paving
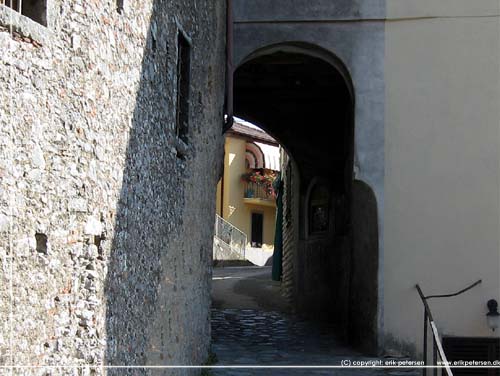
[(252, 337)]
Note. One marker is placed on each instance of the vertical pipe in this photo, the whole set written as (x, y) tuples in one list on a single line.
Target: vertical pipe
[(229, 66), (222, 190), (424, 370)]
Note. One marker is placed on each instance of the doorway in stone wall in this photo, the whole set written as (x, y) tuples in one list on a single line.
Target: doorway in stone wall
[(303, 97)]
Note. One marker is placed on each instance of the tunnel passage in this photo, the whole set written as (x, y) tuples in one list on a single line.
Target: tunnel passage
[(306, 103)]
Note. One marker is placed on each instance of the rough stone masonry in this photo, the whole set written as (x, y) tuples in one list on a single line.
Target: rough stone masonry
[(106, 215)]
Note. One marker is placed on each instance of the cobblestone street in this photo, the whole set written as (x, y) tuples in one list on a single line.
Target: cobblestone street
[(259, 336)]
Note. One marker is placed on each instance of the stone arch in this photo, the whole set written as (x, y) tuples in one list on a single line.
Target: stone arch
[(313, 51), (320, 141), (304, 48)]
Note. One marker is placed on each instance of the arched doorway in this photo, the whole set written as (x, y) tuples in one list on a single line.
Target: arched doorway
[(304, 98)]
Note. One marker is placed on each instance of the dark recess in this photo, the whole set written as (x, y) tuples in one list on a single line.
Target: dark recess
[(34, 9)]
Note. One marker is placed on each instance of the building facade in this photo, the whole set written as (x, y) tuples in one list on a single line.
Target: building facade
[(111, 137), (389, 112), (245, 193)]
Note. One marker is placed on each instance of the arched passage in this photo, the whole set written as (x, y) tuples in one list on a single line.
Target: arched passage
[(304, 98)]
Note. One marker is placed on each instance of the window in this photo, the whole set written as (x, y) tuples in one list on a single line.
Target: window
[(34, 9), (183, 77), (257, 230)]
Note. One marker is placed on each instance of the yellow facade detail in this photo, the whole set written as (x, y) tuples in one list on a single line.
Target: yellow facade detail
[(231, 202)]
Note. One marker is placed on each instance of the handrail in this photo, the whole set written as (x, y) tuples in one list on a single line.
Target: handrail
[(428, 319), (456, 293), (234, 228), (230, 235), (435, 335)]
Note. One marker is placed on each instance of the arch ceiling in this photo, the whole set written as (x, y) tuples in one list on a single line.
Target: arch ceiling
[(304, 103)]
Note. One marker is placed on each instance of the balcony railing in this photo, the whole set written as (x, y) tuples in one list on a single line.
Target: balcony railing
[(255, 190), (231, 237)]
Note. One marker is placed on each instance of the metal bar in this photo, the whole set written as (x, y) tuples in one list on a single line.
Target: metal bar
[(424, 370), (231, 225), (231, 235), (433, 327), (454, 294), (422, 296), (439, 346), (435, 335), (434, 356)]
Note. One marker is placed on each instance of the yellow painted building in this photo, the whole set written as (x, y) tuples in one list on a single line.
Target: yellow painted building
[(249, 206)]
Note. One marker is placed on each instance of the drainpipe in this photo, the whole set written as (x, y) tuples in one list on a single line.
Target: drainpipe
[(228, 122), (222, 190)]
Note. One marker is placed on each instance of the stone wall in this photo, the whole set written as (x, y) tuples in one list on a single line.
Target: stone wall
[(290, 226), (106, 217)]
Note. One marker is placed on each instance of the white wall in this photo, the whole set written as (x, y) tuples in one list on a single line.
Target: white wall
[(441, 221)]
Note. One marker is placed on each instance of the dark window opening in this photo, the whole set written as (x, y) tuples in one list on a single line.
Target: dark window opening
[(41, 243), (120, 6), (34, 9), (257, 230), (183, 77), (468, 349)]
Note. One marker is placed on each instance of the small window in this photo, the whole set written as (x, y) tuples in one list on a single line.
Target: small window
[(34, 9), (183, 78), (319, 202), (257, 230)]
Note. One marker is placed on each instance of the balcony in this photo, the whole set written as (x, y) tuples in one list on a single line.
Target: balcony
[(258, 194)]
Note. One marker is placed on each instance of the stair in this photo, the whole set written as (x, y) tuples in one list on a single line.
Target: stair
[(229, 241)]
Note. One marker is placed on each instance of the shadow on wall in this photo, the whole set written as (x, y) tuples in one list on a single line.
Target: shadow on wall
[(157, 284), (364, 269)]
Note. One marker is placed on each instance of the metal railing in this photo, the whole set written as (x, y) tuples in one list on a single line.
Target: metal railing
[(255, 190), (232, 236), (437, 347)]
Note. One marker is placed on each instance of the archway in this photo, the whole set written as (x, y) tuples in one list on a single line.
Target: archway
[(304, 98)]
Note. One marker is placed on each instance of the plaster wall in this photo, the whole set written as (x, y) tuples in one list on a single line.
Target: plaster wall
[(441, 165), (218, 198), (426, 82), (236, 210), (409, 9)]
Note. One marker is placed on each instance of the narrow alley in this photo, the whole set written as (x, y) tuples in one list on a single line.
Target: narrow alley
[(252, 325)]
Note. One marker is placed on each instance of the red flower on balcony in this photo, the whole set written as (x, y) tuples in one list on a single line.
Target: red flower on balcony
[(262, 179)]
